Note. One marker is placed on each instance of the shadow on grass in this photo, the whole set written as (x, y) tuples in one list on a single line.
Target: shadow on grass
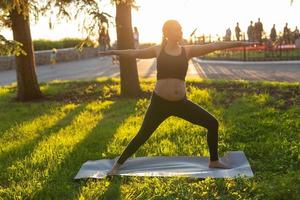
[(19, 113), (113, 190), (20, 152), (88, 91), (60, 184)]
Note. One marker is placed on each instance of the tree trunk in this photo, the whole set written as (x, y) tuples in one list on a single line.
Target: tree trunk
[(27, 84), (130, 86)]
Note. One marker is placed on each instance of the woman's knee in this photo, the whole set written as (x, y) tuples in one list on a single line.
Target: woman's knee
[(213, 123), (142, 135)]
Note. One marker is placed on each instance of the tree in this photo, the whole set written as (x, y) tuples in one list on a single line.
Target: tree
[(16, 15), (28, 88), (130, 86)]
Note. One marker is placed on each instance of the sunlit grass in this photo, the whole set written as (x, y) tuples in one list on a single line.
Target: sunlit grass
[(43, 144)]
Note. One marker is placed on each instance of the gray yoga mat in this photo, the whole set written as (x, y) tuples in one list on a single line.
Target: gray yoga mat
[(190, 166)]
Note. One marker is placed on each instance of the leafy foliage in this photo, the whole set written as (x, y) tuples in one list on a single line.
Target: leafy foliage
[(10, 47), (62, 9)]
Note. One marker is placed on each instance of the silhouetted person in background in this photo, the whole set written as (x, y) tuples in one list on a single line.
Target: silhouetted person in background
[(250, 32), (296, 34), (53, 56), (107, 40), (104, 40), (286, 34), (228, 35), (136, 37), (273, 35), (237, 32), (258, 30)]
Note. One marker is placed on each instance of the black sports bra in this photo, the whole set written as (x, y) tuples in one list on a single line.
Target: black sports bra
[(169, 66)]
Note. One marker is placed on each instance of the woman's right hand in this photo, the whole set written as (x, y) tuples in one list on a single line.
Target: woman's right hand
[(106, 53)]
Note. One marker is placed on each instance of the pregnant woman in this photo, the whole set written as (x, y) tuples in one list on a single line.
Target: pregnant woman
[(169, 96)]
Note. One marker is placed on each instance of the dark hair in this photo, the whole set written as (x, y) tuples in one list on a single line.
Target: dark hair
[(167, 25)]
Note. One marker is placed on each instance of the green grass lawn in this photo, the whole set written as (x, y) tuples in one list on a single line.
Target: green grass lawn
[(43, 144)]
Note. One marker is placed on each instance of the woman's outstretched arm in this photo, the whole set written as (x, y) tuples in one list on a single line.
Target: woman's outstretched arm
[(145, 53), (199, 50)]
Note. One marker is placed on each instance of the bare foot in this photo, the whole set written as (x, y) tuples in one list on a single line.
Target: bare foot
[(114, 169), (218, 164)]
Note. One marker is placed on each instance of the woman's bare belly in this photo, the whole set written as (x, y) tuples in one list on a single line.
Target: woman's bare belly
[(170, 89)]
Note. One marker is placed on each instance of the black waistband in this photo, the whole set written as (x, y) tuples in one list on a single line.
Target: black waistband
[(155, 95)]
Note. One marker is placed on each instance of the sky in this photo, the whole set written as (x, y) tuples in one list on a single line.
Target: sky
[(208, 16)]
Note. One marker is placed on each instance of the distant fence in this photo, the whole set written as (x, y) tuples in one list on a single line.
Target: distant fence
[(44, 57), (263, 52)]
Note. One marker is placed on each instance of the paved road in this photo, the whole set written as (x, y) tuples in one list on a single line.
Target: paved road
[(103, 66), (271, 71)]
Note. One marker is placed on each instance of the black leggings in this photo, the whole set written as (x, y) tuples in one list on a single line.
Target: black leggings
[(160, 109)]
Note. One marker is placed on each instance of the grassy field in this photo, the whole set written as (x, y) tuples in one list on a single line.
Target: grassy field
[(44, 143)]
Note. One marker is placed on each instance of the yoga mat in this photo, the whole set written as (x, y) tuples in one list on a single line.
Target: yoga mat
[(191, 166)]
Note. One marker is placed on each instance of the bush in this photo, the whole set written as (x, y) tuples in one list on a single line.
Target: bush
[(43, 44)]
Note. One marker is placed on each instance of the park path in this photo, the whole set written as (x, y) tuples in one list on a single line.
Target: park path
[(103, 67), (288, 71)]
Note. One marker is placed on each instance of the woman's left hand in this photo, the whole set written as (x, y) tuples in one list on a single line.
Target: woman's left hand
[(249, 43)]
